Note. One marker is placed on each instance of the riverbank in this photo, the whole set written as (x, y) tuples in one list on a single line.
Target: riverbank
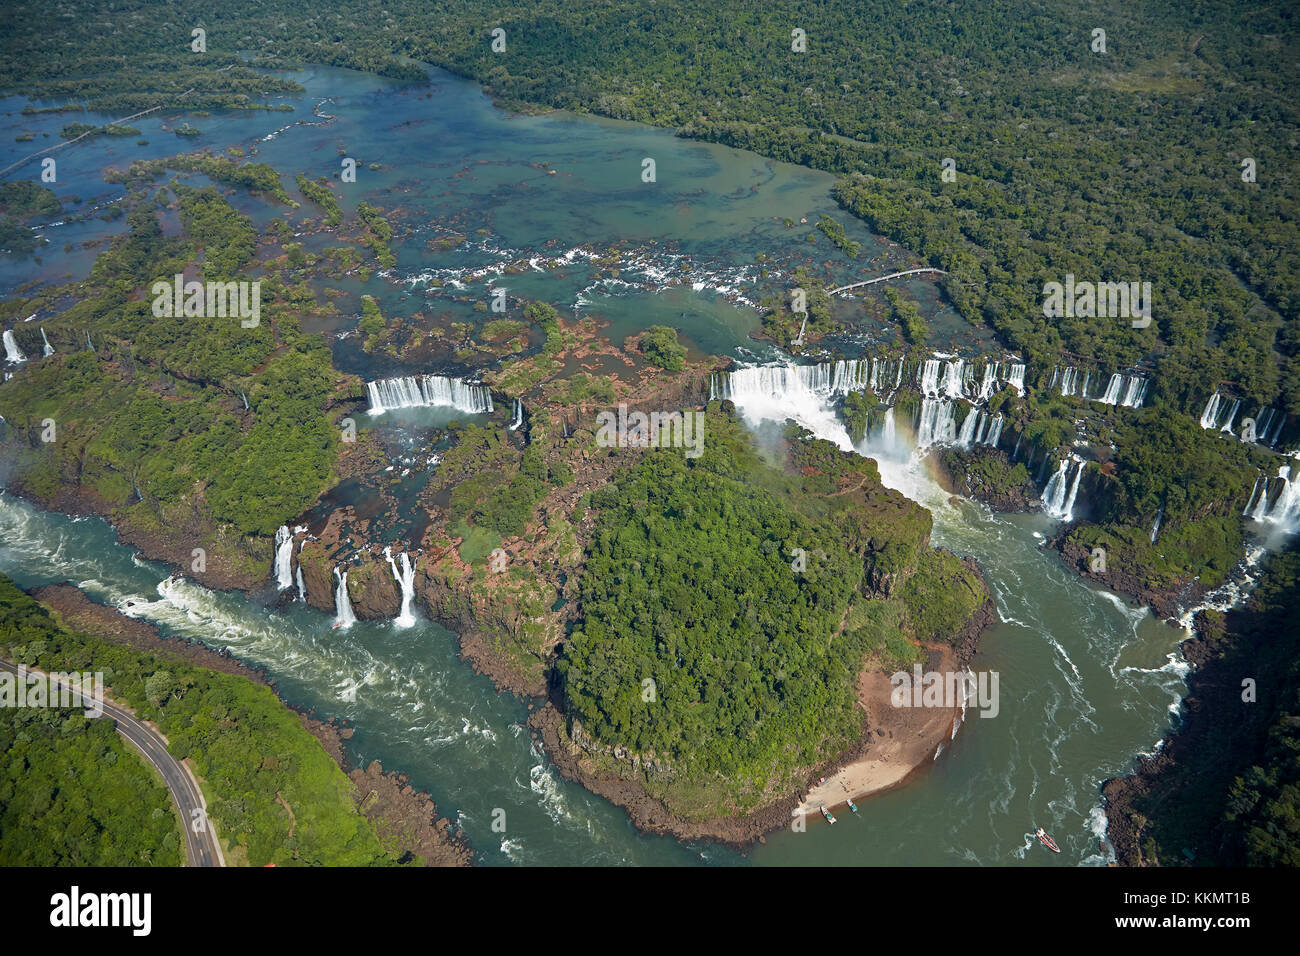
[(1216, 791), (406, 819)]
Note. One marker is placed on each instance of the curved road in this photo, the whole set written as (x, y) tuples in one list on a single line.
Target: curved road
[(200, 848)]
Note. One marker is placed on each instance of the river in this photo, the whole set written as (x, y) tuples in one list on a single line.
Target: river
[(1086, 682)]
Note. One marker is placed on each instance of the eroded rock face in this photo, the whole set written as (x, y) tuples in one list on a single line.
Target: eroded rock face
[(372, 589), (317, 575), (1164, 601), (986, 475)]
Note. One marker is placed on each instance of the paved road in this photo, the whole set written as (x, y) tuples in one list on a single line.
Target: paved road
[(200, 848)]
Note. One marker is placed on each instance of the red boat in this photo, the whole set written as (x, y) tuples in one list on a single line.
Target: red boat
[(1047, 841)]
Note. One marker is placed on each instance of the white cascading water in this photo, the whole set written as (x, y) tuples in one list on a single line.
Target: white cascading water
[(1135, 392), (953, 378), (995, 433), (302, 589), (1232, 416), (929, 378), (283, 558), (780, 392), (1260, 504), (13, 354), (1125, 390), (1210, 416), (1155, 527), (519, 415), (428, 390), (887, 432), (47, 347), (935, 378), (342, 603), (1074, 493), (406, 581), (937, 425), (1066, 379), (1054, 493), (804, 392), (1058, 501), (1285, 511), (1111, 395), (966, 437)]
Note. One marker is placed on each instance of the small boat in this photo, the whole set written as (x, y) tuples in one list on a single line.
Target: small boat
[(827, 814), (1047, 841), (853, 806)]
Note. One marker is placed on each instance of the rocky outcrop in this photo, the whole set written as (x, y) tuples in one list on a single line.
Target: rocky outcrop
[(1165, 601), (986, 475), (966, 641), (373, 589)]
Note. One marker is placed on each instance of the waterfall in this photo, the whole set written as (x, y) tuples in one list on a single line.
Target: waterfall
[(1054, 493), (1281, 420), (1058, 502), (302, 590), (1016, 378), (1210, 416), (13, 354), (519, 415), (1268, 424), (1155, 528), (90, 346), (1232, 416), (245, 398), (283, 557), (1016, 451), (936, 425), (801, 381), (967, 436), (805, 393), (995, 432), (954, 378), (781, 392), (438, 390), (1069, 380), (929, 380), (1260, 506), (1074, 493), (406, 581), (1125, 390), (342, 605), (1285, 511), (48, 348), (1135, 393)]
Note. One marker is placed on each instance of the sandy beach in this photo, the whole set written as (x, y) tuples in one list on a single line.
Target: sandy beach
[(902, 739)]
